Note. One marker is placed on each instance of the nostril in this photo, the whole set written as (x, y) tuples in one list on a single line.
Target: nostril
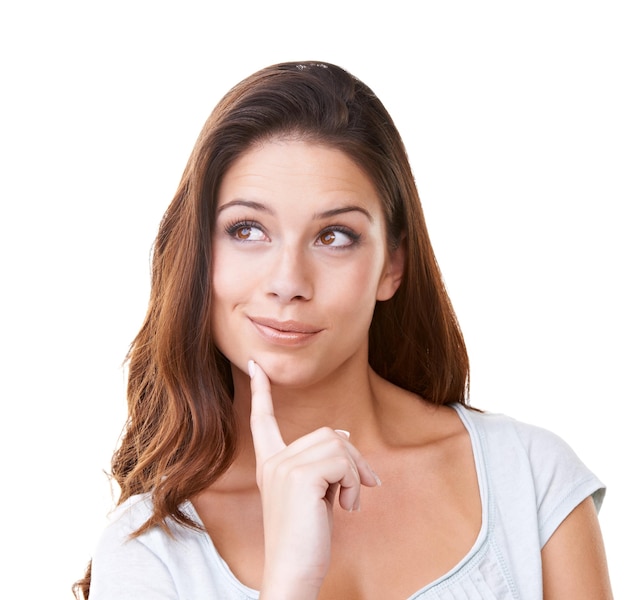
[(289, 280)]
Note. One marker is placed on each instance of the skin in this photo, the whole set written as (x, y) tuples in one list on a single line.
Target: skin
[(574, 560), (300, 260), (280, 196)]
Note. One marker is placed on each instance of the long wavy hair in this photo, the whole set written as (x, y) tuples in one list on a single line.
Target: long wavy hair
[(180, 435)]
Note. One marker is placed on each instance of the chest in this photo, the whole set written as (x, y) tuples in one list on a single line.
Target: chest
[(407, 534), (413, 529)]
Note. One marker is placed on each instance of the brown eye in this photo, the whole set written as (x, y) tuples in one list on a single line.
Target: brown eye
[(243, 233), (327, 238)]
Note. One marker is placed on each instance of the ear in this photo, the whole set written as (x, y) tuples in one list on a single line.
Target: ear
[(391, 277)]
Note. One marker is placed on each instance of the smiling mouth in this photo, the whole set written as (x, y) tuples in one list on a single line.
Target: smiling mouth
[(285, 332)]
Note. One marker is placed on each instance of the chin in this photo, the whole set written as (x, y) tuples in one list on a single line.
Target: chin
[(291, 372)]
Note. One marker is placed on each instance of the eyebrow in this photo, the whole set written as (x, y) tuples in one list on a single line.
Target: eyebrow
[(343, 209), (248, 204), (333, 212)]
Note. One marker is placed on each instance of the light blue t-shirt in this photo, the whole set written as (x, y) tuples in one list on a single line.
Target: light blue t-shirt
[(529, 479)]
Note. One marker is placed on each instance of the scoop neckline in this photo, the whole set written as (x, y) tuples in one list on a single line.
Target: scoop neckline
[(479, 545), (474, 553)]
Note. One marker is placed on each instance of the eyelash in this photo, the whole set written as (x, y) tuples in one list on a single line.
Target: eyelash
[(232, 228), (354, 237)]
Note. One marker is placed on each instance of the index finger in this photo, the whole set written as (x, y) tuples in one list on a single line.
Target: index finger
[(265, 432)]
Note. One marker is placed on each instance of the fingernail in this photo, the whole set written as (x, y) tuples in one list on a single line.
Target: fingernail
[(376, 477), (356, 507), (251, 368), (343, 432)]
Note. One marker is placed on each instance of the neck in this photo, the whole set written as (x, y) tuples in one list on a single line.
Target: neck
[(345, 400)]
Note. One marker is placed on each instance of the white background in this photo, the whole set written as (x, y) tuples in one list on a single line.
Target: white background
[(513, 116)]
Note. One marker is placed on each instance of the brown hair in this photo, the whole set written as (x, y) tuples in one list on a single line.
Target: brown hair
[(180, 434)]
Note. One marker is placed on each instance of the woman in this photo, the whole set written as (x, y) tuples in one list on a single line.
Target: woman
[(299, 336)]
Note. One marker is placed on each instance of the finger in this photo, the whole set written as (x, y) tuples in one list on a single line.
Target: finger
[(327, 462), (366, 474), (339, 478), (331, 492), (265, 432), (347, 489), (336, 442)]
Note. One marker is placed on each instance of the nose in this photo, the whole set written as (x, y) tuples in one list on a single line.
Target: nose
[(290, 277)]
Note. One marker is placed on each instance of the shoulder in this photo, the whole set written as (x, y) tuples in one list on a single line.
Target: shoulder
[(161, 565), (541, 449), (124, 564), (502, 431), (132, 514), (524, 460), (127, 518)]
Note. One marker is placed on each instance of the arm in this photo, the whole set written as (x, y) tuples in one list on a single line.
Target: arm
[(574, 561)]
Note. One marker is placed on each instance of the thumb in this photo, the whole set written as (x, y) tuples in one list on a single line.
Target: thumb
[(265, 433)]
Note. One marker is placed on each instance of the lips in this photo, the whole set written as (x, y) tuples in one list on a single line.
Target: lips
[(284, 332), (285, 326)]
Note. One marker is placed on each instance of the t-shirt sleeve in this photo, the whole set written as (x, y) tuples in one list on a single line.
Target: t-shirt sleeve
[(561, 479), (124, 568)]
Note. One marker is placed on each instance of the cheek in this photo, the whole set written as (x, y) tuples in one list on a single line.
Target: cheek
[(232, 275), (230, 283), (352, 290)]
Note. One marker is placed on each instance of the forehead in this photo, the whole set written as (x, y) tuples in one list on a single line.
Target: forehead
[(297, 168)]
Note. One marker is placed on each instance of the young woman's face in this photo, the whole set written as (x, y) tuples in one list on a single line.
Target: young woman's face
[(300, 258)]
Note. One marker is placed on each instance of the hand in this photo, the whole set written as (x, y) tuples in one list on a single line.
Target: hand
[(298, 484)]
